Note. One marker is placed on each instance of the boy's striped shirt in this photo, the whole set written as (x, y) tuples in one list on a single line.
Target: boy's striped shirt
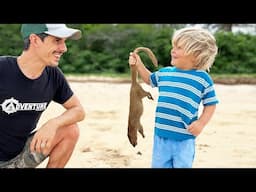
[(180, 94)]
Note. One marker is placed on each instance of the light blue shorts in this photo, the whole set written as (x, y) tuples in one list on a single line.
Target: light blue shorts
[(168, 153)]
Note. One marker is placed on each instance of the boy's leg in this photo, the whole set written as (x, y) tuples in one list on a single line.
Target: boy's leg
[(162, 153), (185, 152)]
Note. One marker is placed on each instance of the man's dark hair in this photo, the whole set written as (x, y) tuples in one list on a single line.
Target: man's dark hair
[(27, 41)]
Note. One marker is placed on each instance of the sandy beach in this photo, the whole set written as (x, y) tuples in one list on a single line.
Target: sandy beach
[(228, 141)]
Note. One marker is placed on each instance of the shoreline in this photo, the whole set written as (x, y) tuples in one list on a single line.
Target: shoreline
[(104, 79)]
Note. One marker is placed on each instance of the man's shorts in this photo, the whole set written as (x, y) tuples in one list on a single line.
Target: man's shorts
[(26, 159)]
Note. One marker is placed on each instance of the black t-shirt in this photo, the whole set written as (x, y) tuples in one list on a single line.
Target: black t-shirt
[(22, 102)]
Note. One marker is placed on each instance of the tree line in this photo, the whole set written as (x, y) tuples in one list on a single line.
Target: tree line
[(105, 48)]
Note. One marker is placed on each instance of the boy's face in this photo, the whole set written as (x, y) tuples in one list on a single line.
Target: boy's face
[(180, 59)]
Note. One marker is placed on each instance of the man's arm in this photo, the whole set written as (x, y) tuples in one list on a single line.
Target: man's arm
[(73, 114), (46, 133)]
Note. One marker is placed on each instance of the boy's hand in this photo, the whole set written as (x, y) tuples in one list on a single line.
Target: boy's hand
[(132, 59), (195, 128)]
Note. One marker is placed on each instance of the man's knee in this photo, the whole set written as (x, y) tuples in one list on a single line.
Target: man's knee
[(72, 132)]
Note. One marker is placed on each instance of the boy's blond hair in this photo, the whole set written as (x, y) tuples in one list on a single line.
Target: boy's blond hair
[(198, 42)]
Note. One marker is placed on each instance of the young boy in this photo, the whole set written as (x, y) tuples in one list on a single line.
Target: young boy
[(182, 87)]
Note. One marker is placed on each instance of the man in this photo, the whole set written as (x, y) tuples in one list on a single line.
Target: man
[(29, 83)]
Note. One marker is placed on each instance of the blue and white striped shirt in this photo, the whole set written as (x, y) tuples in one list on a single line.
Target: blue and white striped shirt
[(180, 94)]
